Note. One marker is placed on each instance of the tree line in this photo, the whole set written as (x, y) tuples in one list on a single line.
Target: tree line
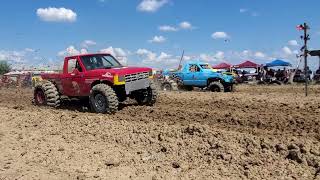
[(4, 67)]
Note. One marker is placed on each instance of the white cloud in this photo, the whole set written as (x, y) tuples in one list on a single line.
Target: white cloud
[(293, 43), (287, 51), (255, 14), (187, 58), (29, 50), (148, 55), (219, 55), (220, 35), (151, 5), (206, 57), (83, 51), (16, 56), (167, 28), (186, 25), (88, 43), (10, 56), (70, 51), (164, 56), (152, 59), (52, 14), (158, 39), (250, 12), (243, 10), (259, 55), (120, 54), (295, 52)]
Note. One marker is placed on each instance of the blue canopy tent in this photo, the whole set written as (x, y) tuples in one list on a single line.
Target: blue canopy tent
[(278, 62)]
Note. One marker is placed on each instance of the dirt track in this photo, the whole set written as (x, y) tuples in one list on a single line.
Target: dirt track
[(255, 133)]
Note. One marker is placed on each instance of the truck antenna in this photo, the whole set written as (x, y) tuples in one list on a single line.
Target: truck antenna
[(180, 66)]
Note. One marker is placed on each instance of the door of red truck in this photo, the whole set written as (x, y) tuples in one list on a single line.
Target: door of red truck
[(72, 80)]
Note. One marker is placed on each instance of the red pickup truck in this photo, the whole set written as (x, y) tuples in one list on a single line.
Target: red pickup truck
[(100, 79)]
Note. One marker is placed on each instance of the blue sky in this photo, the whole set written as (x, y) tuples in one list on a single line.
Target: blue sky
[(154, 32)]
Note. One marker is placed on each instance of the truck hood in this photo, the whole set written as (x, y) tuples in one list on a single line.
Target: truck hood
[(121, 70), (225, 77)]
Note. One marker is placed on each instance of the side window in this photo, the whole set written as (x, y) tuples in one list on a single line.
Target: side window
[(72, 63), (194, 68)]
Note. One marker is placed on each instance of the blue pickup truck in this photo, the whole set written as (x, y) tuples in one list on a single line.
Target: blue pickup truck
[(200, 74)]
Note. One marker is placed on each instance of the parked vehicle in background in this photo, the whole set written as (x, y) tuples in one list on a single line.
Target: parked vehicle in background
[(100, 80), (201, 75), (316, 76)]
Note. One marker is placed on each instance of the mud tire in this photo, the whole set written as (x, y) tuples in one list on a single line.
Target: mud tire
[(103, 99), (216, 87), (46, 94), (148, 97)]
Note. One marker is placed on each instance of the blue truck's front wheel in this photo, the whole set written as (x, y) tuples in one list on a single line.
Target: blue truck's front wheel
[(216, 86)]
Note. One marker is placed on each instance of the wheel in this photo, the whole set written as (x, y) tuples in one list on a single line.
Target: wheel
[(230, 88), (46, 94), (103, 99), (166, 86), (216, 87), (147, 97)]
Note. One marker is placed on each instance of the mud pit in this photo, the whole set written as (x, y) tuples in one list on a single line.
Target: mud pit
[(255, 133)]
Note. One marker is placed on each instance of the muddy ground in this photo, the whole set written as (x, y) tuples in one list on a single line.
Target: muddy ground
[(258, 132)]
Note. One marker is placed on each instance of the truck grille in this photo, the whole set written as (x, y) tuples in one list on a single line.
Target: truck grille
[(137, 76)]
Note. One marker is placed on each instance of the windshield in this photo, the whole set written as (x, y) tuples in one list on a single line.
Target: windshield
[(205, 66), (99, 62)]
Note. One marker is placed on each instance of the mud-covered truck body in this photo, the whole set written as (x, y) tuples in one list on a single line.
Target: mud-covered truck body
[(101, 78)]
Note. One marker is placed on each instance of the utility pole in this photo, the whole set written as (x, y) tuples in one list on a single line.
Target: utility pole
[(180, 63), (305, 38)]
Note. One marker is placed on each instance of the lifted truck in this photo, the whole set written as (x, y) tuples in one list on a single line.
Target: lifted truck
[(99, 79), (199, 74)]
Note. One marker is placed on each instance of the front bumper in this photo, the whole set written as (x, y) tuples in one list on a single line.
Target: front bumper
[(137, 85)]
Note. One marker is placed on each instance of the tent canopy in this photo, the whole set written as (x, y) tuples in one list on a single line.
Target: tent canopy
[(278, 62), (247, 64), (222, 66)]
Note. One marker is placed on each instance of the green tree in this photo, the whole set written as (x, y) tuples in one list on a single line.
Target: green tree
[(4, 67)]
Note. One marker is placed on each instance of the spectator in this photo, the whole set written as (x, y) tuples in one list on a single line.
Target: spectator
[(309, 73)]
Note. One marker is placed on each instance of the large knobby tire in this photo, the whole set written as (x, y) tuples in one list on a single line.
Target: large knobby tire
[(230, 88), (147, 97), (46, 94), (103, 99), (216, 86), (166, 86)]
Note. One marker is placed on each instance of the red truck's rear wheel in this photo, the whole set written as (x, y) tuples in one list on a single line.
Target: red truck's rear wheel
[(103, 99), (46, 93)]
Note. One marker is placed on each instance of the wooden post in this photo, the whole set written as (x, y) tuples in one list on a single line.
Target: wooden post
[(306, 38)]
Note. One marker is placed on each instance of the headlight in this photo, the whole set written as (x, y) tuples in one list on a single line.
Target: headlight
[(150, 74)]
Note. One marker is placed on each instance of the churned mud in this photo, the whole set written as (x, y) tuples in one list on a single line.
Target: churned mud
[(258, 132)]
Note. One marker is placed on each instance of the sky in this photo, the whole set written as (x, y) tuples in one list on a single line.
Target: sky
[(155, 32)]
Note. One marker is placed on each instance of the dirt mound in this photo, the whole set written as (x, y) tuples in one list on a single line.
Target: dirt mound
[(269, 132)]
